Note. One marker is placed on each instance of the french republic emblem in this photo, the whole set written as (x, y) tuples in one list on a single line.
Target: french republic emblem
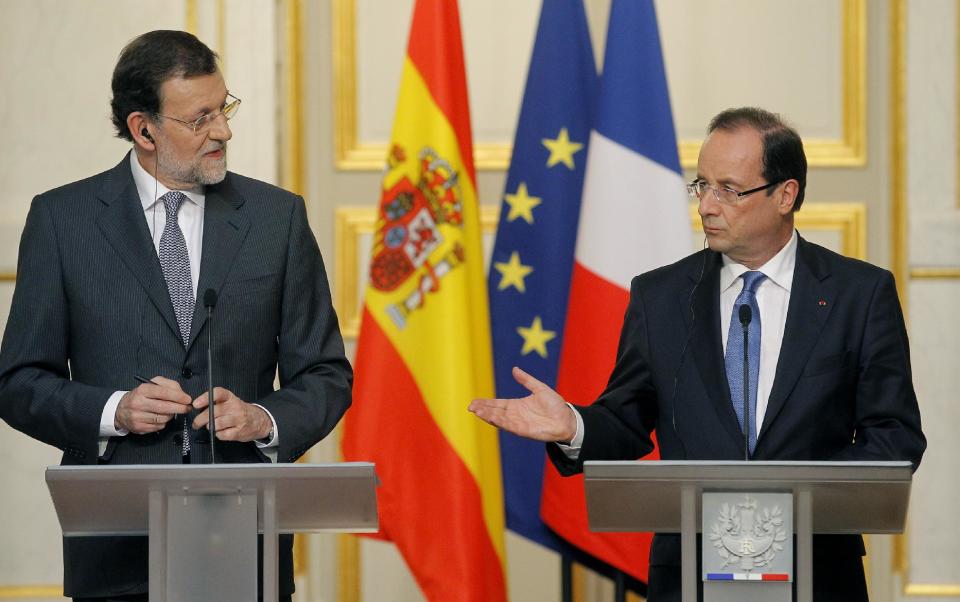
[(747, 536), (411, 227)]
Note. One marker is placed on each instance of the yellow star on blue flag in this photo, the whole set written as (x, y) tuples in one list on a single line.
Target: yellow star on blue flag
[(512, 273), (535, 338), (561, 149)]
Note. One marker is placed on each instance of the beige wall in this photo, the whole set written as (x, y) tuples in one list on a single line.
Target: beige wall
[(878, 113), (931, 555)]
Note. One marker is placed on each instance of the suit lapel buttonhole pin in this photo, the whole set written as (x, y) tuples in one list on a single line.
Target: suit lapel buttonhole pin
[(822, 303)]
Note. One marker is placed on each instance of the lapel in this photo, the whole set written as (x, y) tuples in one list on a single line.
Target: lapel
[(125, 228), (705, 340), (224, 229), (811, 300)]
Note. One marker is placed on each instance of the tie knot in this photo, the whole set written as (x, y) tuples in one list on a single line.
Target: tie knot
[(172, 201), (751, 280)]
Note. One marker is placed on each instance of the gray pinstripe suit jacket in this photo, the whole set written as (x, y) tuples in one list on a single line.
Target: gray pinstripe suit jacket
[(91, 310)]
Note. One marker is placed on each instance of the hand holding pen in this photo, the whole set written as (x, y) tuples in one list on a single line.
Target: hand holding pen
[(151, 405)]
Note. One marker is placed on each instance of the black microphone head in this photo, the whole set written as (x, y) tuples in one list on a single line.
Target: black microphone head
[(210, 298), (746, 314)]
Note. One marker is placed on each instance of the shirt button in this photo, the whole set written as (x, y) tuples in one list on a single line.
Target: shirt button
[(187, 373)]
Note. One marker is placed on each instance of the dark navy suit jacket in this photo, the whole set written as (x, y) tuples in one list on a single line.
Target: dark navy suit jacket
[(843, 388), (91, 310)]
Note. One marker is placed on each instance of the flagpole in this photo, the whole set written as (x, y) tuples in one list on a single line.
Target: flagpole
[(566, 579), (620, 586)]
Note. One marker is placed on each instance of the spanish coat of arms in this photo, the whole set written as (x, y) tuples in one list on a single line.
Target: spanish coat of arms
[(410, 231)]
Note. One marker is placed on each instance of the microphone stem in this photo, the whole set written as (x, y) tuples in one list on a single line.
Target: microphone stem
[(210, 403), (746, 391)]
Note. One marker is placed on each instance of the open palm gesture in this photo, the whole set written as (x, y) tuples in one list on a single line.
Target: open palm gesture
[(543, 415)]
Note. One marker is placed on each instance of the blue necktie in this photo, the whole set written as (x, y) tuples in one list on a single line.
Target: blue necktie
[(175, 263), (734, 355)]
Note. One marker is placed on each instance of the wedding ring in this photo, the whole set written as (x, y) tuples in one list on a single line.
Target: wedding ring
[(156, 418)]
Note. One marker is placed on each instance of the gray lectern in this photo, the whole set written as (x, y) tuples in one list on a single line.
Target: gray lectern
[(203, 520), (815, 497)]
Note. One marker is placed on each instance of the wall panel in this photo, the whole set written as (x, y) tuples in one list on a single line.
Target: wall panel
[(929, 554), (822, 90)]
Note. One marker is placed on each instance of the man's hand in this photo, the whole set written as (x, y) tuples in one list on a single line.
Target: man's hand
[(149, 407), (236, 420), (543, 415)]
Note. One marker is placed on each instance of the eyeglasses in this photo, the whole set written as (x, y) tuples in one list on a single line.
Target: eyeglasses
[(724, 194), (201, 124)]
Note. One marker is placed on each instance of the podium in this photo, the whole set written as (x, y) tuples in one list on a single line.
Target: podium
[(203, 520), (826, 497)]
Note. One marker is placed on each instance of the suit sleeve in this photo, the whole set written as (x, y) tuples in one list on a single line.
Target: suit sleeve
[(618, 424), (315, 376), (37, 396), (887, 415)]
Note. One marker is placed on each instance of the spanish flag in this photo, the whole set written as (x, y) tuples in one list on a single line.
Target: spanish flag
[(424, 346)]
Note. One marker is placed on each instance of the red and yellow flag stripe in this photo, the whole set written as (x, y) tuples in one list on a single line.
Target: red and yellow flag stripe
[(424, 346)]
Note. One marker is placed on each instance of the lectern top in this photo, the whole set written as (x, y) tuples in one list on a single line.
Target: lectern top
[(114, 500), (848, 497)]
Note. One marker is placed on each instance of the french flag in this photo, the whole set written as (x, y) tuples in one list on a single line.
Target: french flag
[(633, 218)]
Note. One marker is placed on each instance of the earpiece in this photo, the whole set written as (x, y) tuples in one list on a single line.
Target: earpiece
[(146, 134)]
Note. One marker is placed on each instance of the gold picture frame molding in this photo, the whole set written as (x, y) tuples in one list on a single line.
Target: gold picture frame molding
[(353, 154), (904, 273), (23, 592)]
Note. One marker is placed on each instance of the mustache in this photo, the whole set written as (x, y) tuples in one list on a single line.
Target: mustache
[(214, 147)]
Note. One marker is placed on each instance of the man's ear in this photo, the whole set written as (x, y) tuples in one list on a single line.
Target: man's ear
[(140, 128), (787, 196)]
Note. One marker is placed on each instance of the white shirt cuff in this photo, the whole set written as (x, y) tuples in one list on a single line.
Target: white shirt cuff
[(109, 416), (572, 449), (275, 439)]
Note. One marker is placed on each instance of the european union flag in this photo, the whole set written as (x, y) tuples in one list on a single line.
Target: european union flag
[(532, 259)]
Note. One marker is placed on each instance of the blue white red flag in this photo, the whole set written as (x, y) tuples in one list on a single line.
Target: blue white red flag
[(633, 218)]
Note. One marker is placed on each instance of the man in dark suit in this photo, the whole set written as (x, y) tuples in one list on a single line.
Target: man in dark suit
[(831, 375), (111, 277)]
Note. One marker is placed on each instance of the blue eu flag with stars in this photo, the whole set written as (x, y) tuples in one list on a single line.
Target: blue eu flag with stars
[(532, 258)]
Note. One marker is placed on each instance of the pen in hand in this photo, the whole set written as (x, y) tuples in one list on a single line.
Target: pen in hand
[(147, 381)]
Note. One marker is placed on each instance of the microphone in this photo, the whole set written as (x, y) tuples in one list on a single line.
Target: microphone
[(746, 316), (210, 298), (210, 301)]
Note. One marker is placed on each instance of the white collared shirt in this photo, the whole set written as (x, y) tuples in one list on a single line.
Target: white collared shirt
[(773, 298), (190, 216)]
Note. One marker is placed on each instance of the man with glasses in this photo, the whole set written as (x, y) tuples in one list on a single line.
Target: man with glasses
[(104, 354), (829, 367)]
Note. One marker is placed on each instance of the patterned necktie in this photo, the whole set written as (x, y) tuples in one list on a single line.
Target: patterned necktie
[(734, 355), (175, 263)]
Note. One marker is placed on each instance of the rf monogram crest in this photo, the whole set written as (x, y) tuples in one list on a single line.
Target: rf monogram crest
[(746, 536)]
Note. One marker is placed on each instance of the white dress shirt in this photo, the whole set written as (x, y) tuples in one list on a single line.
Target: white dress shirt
[(773, 298), (190, 219)]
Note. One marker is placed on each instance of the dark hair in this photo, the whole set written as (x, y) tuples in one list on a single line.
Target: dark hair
[(146, 63), (783, 157)]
